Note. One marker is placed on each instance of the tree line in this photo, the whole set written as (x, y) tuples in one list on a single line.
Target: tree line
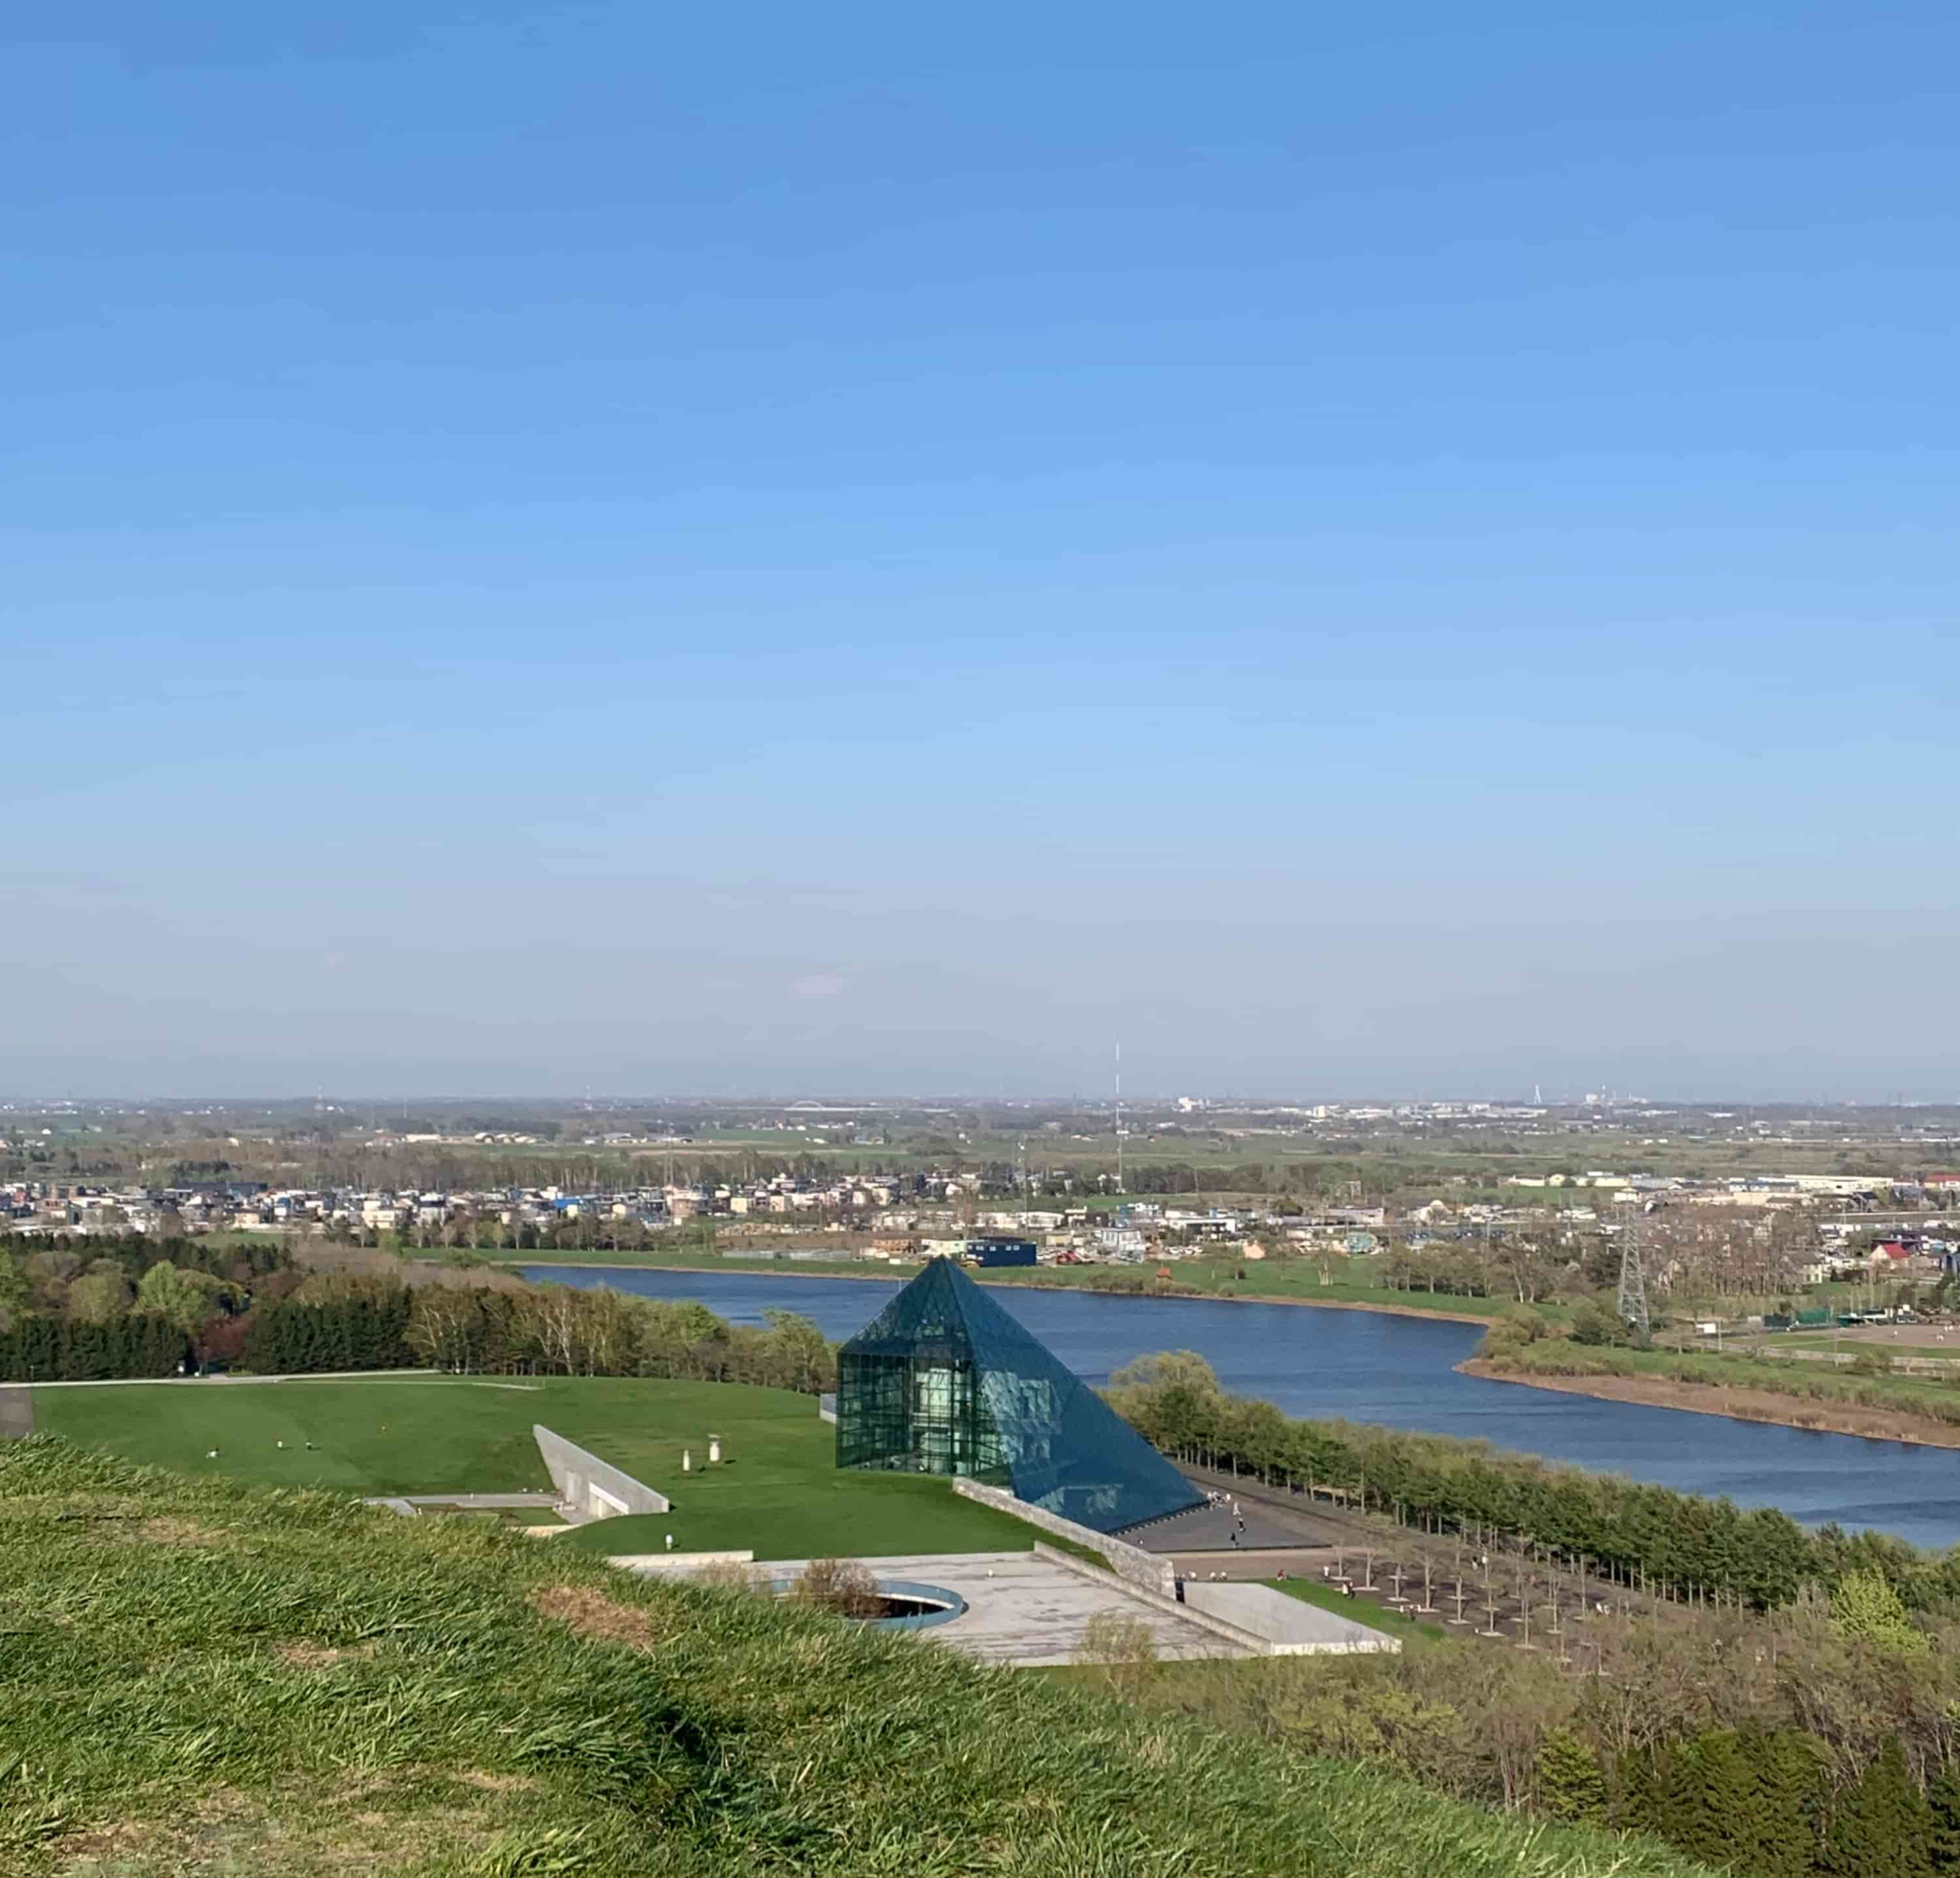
[(96, 1309), (87, 1309), (48, 1349), (1673, 1545), (340, 1321)]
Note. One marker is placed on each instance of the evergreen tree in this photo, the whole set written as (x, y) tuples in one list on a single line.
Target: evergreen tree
[(1638, 1801), (1571, 1785), (1943, 1800), (1789, 1774), (1881, 1827)]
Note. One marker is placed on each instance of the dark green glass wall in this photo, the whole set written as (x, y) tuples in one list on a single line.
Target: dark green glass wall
[(944, 1381)]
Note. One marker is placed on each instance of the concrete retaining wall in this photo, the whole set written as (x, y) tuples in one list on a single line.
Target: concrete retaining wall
[(591, 1488), (1129, 1563), (1246, 1640)]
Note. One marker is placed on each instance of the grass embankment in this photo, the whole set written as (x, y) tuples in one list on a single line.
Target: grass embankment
[(1746, 1388), (779, 1491), (207, 1681), (1289, 1280)]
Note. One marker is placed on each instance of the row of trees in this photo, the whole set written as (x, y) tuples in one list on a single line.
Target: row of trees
[(1671, 1542), (94, 1278), (1755, 1801), (88, 1309), (35, 1348), (351, 1322), (138, 1307)]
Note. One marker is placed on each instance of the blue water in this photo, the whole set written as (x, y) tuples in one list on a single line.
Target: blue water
[(1399, 1371)]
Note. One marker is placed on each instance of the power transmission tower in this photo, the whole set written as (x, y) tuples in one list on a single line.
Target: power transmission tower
[(1632, 1304)]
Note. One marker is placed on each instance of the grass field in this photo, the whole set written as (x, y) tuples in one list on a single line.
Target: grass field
[(779, 1492), (208, 1682)]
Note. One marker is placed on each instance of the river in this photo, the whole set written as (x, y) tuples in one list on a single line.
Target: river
[(1370, 1367)]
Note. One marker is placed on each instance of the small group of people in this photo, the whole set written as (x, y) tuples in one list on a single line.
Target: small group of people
[(1230, 1501)]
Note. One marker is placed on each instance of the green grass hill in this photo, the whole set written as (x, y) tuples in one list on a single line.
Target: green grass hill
[(207, 1679), (779, 1493)]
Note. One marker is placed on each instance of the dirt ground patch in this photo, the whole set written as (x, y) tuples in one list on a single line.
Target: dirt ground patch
[(171, 1531), (230, 1834), (593, 1614), (498, 1783), (1739, 1405), (313, 1656)]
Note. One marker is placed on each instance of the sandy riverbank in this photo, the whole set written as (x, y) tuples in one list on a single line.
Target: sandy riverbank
[(770, 1269), (1738, 1405)]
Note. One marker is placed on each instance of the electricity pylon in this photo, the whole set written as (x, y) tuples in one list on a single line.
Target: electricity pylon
[(1632, 1303)]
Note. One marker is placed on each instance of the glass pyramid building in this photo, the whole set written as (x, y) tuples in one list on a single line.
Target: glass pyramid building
[(943, 1381)]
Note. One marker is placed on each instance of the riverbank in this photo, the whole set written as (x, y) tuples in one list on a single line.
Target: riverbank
[(897, 1274), (1734, 1404)]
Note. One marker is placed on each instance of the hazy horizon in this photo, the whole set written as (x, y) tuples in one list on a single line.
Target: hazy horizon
[(601, 552)]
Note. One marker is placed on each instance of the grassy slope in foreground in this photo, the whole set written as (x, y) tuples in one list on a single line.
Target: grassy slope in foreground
[(780, 1492), (205, 1679)]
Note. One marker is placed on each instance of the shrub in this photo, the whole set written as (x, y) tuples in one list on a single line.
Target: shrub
[(841, 1586)]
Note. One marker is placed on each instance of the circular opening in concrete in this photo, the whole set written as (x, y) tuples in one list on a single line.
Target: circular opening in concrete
[(909, 1606), (903, 1605)]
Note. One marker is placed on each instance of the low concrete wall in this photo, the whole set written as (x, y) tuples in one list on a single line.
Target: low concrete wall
[(1246, 1640), (1131, 1563), (592, 1487), (826, 1408), (677, 1564)]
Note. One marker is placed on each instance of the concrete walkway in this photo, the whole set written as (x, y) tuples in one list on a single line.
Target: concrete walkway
[(17, 1412), (242, 1382), (1210, 1529), (413, 1503)]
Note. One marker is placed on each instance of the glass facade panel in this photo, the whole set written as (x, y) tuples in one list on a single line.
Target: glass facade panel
[(944, 1381)]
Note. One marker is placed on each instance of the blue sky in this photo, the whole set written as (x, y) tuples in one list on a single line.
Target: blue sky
[(584, 548)]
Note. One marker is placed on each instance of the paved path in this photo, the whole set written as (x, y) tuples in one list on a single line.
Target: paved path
[(240, 1382), (1212, 1528), (17, 1412), (1297, 1561)]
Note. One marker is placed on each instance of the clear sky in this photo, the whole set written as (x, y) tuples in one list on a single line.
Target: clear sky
[(1395, 550)]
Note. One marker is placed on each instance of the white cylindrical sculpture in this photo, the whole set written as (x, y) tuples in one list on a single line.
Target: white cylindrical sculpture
[(714, 1450), (687, 1460)]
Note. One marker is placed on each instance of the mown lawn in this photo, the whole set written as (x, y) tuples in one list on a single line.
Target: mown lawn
[(778, 1492), (207, 1680), (1361, 1610)]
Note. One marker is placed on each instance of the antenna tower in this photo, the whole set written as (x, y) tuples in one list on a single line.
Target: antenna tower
[(1632, 1303), (1119, 1118)]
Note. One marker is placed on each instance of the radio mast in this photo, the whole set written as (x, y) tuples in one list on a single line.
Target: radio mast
[(1119, 1118)]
